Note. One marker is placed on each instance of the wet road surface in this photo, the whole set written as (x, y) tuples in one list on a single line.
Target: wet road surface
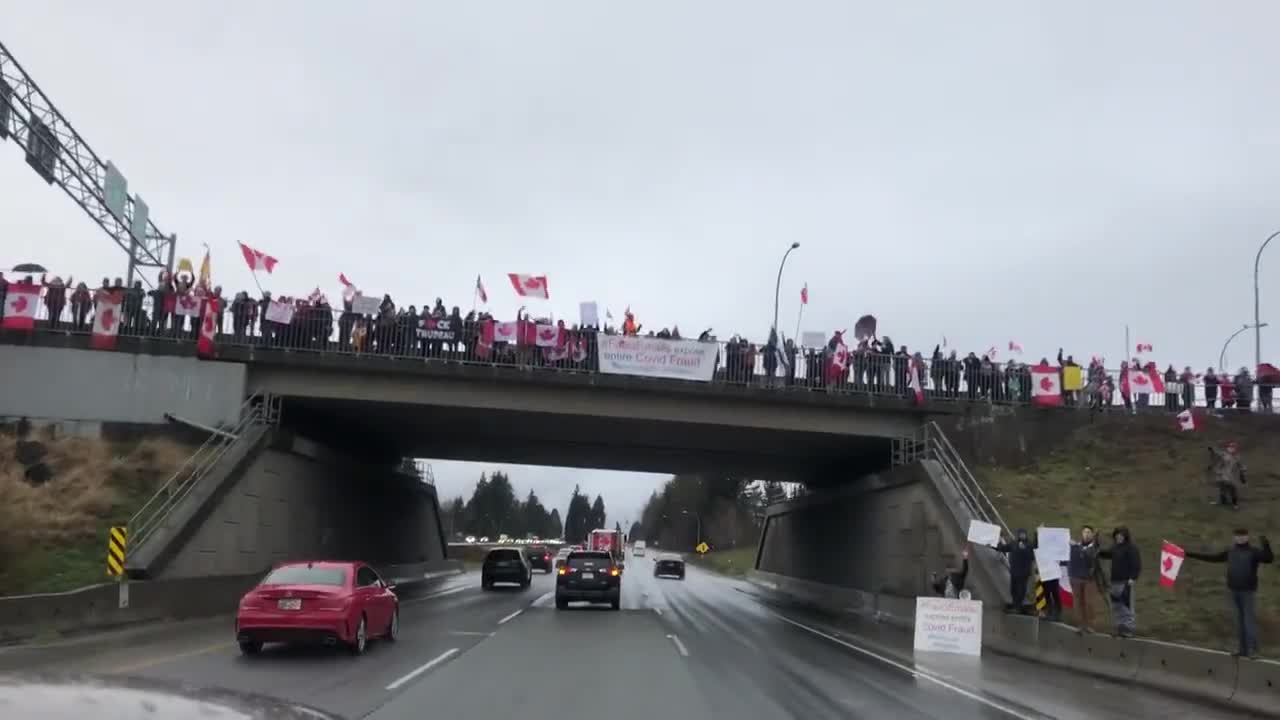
[(705, 647)]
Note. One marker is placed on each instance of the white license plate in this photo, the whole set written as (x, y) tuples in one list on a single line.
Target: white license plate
[(588, 576), (290, 604)]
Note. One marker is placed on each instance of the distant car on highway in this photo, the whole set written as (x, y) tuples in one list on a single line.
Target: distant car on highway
[(669, 565), (327, 602), (484, 539), (505, 565), (471, 538), (539, 557), (561, 556), (637, 548), (590, 576)]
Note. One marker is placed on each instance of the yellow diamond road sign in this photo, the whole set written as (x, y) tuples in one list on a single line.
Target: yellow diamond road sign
[(702, 548), (117, 541)]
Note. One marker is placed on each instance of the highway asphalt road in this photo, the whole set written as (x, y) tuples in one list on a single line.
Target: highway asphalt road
[(705, 647)]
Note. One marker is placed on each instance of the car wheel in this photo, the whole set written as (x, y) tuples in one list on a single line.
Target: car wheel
[(361, 641), (616, 604), (250, 647), (562, 604), (486, 583), (393, 627)]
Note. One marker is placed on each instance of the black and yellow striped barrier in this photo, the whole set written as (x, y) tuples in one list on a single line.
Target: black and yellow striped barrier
[(117, 541), (1042, 602)]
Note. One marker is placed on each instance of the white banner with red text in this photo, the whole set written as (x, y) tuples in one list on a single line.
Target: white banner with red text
[(656, 357)]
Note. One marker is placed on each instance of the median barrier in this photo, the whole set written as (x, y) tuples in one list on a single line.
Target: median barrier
[(1258, 686), (896, 611), (1016, 635), (1208, 674), (1110, 656), (1057, 644)]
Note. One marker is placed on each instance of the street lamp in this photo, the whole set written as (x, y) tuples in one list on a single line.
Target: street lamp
[(698, 517), (1257, 320), (777, 289), (1222, 356)]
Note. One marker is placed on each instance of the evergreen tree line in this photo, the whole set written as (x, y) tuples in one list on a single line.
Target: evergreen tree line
[(729, 510), (493, 510)]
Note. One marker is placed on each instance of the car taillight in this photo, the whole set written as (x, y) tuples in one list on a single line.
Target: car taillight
[(613, 572), (546, 557), (562, 571)]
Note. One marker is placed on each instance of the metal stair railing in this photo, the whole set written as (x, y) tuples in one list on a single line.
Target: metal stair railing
[(257, 410), (939, 448)]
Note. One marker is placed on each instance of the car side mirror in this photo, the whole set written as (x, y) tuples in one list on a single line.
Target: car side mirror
[(390, 586)]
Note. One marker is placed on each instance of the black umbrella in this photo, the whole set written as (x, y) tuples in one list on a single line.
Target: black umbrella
[(29, 268)]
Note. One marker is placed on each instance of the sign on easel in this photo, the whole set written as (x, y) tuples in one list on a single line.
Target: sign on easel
[(950, 626)]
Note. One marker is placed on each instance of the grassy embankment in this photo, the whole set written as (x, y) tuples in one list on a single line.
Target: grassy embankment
[(53, 536), (1146, 474), (735, 562)]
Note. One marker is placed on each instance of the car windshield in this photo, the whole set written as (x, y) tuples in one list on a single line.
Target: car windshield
[(306, 575)]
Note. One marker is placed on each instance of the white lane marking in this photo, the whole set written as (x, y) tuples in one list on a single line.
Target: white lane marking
[(544, 597), (658, 610), (471, 633), (914, 672), (434, 595), (512, 616), (443, 656), (684, 652)]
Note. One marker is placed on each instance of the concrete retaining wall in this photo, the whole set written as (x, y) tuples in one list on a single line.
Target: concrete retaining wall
[(94, 386), (1205, 675), (300, 500)]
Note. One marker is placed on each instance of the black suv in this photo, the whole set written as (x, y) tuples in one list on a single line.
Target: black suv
[(539, 557), (591, 577), (669, 565), (505, 565)]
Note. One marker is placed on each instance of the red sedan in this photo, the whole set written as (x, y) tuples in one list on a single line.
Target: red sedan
[(329, 602)]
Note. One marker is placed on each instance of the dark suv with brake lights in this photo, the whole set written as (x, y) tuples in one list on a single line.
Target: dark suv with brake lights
[(589, 576), (669, 565), (505, 565), (539, 557)]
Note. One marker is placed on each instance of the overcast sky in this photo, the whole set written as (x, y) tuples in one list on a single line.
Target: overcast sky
[(989, 171)]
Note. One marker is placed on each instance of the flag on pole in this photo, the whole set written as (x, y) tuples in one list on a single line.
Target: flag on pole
[(484, 296), (205, 279), (256, 259), (529, 285), (1144, 348), (1171, 557), (1187, 420), (804, 294)]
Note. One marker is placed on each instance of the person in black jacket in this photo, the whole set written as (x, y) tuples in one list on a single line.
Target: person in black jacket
[(1242, 560), (1082, 573), (1126, 566), (1022, 558), (951, 584)]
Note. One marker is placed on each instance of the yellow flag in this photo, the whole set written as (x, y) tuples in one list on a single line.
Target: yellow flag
[(1072, 378), (205, 279), (185, 266)]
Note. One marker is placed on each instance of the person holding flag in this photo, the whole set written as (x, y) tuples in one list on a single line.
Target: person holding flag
[(1242, 559), (1126, 566)]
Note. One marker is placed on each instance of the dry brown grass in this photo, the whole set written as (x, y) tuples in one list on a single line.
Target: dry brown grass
[(94, 484)]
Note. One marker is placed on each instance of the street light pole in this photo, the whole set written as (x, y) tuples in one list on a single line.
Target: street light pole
[(1222, 356), (1257, 320), (698, 519), (777, 288)]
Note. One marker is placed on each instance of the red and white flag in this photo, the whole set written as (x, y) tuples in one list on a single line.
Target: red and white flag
[(580, 350), (187, 305), (205, 344), (534, 286), (507, 332), (1187, 421), (1145, 381), (1171, 557), (1065, 595), (484, 343), (106, 321), (1015, 347), (1046, 386), (257, 260), (992, 352), (349, 290), (484, 296), (1144, 348), (20, 306), (804, 294), (548, 336), (914, 381), (838, 367)]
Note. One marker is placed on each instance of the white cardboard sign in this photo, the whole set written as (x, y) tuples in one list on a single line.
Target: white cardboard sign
[(950, 626)]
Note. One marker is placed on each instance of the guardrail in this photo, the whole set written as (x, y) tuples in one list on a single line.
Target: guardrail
[(739, 363), (1204, 675)]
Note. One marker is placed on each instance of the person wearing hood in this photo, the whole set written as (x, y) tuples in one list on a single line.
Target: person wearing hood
[(1227, 471), (1022, 557), (951, 583), (1126, 566), (1242, 560)]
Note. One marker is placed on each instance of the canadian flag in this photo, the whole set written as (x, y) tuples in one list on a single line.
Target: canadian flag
[(1015, 347), (534, 286), (914, 381), (205, 344), (507, 332), (548, 336), (349, 290), (257, 260), (1065, 595), (484, 343), (106, 321), (20, 306), (1187, 420), (804, 294), (1171, 557), (188, 305), (1144, 348), (1144, 381), (1046, 385), (580, 350), (838, 368)]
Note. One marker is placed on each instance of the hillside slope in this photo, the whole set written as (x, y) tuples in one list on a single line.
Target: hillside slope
[(1145, 473), (53, 532)]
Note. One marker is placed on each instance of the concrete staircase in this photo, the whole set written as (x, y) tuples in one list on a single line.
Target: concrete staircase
[(166, 520)]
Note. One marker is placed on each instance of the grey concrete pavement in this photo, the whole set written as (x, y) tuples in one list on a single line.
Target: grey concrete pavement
[(705, 647)]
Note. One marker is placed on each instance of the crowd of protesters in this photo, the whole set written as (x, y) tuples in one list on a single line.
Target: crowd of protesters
[(873, 364)]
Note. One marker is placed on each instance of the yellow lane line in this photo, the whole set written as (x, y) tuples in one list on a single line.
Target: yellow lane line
[(144, 664)]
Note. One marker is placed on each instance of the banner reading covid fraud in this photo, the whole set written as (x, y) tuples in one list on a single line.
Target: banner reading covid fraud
[(656, 358)]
